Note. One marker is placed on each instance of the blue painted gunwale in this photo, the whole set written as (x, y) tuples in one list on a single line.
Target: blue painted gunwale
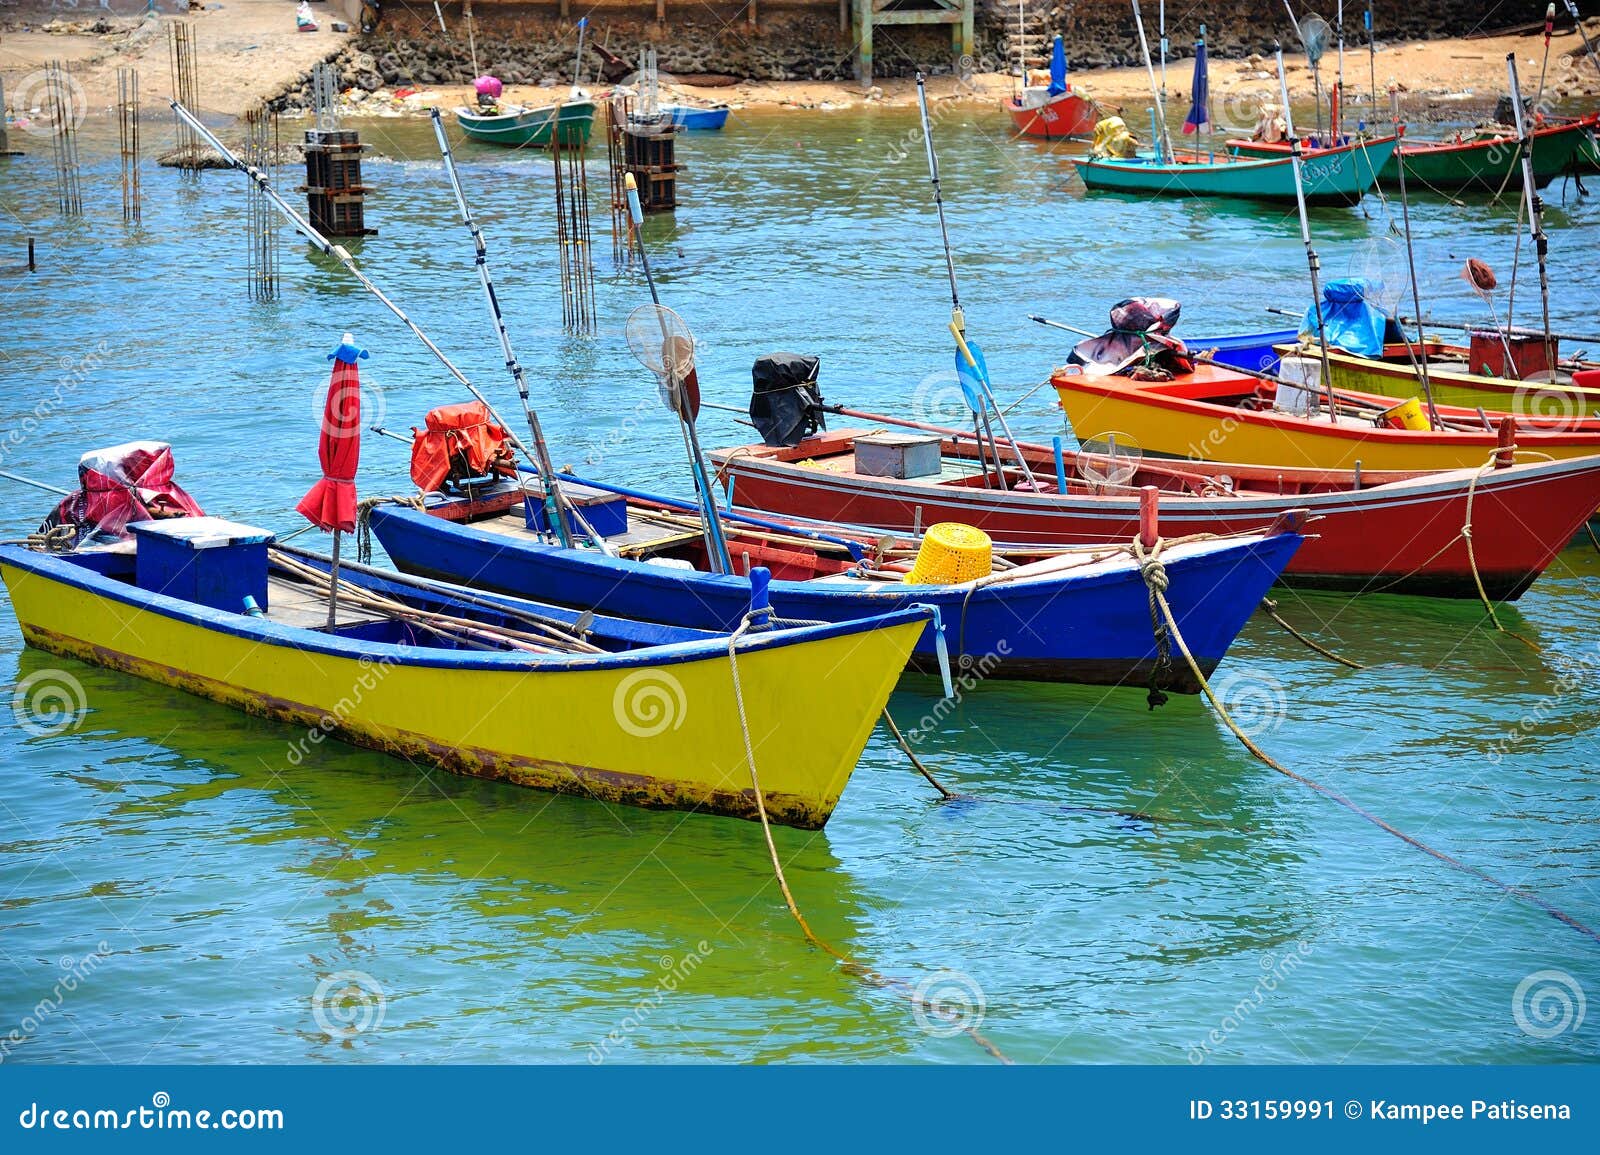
[(60, 568), (1048, 625)]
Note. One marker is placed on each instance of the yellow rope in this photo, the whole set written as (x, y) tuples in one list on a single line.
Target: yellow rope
[(867, 974), (1271, 607), (1334, 795)]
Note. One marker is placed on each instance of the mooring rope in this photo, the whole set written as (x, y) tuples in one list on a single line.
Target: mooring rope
[(1334, 795), (860, 970), (1271, 608)]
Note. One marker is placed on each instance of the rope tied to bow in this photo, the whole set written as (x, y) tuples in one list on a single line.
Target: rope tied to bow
[(1153, 572)]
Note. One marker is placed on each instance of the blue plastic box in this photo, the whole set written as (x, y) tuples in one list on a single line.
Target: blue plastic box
[(205, 560), (606, 512)]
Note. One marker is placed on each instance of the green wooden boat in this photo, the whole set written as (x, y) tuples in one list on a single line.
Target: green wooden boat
[(1340, 176), (1486, 161), (516, 127)]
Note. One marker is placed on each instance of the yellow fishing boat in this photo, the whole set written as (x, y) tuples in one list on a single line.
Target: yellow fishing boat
[(492, 687), (1453, 382), (1216, 414)]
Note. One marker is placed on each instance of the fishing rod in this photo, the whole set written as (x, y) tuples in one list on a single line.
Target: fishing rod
[(556, 506), (1577, 24), (1164, 141), (577, 63), (1336, 108), (968, 351), (339, 253), (1541, 244), (1372, 57), (716, 543), (1161, 35), (1421, 357), (1313, 262), (1538, 103), (17, 477), (1514, 330)]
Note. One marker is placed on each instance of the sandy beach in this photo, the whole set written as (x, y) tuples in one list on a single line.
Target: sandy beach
[(249, 52)]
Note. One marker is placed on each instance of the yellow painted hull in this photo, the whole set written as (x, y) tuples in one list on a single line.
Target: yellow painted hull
[(1217, 434), (653, 735), (1469, 390)]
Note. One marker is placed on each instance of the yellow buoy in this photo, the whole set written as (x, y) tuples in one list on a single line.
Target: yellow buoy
[(952, 553)]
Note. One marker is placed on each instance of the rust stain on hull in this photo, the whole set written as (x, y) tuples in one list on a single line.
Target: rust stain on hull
[(615, 786)]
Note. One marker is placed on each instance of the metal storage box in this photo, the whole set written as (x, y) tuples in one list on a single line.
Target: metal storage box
[(899, 455)]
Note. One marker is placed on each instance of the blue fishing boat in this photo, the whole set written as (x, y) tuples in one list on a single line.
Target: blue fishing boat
[(694, 118), (1082, 615)]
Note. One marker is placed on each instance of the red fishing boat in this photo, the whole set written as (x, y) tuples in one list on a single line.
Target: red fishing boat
[(1366, 531), (1067, 115)]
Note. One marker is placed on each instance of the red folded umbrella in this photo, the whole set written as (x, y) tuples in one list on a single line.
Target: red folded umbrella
[(331, 502)]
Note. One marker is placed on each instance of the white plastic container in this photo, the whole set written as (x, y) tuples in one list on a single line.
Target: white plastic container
[(1299, 386)]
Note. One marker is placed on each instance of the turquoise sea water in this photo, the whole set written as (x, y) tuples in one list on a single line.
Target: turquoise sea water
[(253, 911)]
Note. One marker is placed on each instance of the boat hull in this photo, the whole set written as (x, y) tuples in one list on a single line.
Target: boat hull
[(1562, 406), (1070, 116), (1183, 421), (1094, 628), (532, 127), (1490, 165), (657, 732), (697, 119), (1402, 536), (1333, 176)]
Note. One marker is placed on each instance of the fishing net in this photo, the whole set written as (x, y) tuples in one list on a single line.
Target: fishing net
[(1111, 460), (663, 344), (1315, 33)]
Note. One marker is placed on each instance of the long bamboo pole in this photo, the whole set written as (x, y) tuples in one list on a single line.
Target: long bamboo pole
[(1313, 262), (1541, 244)]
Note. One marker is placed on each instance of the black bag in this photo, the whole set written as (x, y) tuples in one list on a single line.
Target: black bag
[(785, 404)]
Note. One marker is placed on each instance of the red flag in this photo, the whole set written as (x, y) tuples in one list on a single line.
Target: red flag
[(331, 502)]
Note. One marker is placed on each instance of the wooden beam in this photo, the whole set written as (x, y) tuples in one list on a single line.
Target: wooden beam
[(864, 42), (942, 16)]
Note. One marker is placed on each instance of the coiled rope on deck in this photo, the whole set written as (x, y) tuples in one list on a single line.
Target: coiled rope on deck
[(860, 970), (1245, 740)]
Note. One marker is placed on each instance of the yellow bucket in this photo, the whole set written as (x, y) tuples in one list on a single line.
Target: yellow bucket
[(1407, 415), (952, 553)]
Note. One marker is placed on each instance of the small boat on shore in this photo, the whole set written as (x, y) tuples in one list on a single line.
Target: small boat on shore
[(1079, 615), (514, 126), (538, 696), (1336, 176), (696, 118), (1052, 111)]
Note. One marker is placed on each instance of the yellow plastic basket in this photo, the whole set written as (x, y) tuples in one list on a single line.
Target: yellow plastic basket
[(952, 553)]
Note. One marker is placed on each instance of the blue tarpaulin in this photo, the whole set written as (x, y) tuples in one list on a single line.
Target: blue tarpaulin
[(1352, 322), (1058, 68)]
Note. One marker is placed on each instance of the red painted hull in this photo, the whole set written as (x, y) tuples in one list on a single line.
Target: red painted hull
[(1398, 535), (1068, 115)]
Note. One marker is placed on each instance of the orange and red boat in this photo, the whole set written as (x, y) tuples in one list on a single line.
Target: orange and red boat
[(1366, 531)]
